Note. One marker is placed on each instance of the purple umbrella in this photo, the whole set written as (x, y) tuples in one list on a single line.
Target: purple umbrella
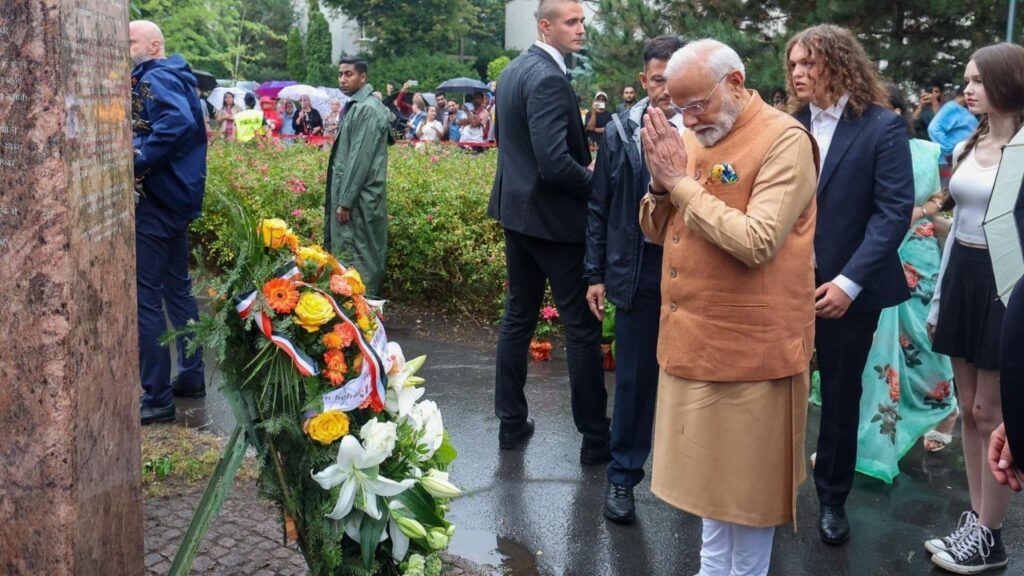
[(271, 88)]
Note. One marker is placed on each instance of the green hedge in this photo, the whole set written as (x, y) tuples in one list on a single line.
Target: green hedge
[(444, 251)]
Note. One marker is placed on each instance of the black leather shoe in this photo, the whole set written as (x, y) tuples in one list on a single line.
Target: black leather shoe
[(152, 415), (187, 391), (833, 527), (512, 437), (591, 454), (619, 506)]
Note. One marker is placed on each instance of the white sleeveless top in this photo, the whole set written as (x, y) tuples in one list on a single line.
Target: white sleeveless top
[(971, 188)]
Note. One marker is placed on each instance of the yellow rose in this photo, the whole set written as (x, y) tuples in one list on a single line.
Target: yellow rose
[(327, 427), (313, 311), (314, 254), (355, 281), (274, 231)]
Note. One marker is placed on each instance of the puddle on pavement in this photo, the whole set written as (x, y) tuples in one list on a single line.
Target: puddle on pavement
[(490, 551)]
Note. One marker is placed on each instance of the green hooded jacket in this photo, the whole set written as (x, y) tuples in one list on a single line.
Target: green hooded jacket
[(356, 180)]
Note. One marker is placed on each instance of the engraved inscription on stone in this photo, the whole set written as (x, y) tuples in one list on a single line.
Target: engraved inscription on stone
[(96, 108)]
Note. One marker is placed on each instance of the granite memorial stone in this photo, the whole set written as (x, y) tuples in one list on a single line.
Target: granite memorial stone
[(70, 494)]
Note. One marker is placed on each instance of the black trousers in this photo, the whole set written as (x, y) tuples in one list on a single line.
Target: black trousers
[(531, 263), (843, 346), (1011, 373)]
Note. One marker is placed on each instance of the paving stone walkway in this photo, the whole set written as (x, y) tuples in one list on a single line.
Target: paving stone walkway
[(245, 539)]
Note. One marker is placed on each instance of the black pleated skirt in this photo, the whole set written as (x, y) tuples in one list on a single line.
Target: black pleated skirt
[(970, 312)]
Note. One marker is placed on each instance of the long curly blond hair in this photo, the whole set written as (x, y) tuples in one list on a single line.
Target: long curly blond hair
[(845, 65)]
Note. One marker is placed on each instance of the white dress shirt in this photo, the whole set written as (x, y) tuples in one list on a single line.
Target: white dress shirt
[(823, 126), (559, 59)]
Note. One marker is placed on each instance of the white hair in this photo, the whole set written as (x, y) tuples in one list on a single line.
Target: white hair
[(716, 58)]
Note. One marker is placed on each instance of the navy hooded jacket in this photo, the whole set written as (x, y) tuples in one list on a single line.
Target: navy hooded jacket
[(169, 139)]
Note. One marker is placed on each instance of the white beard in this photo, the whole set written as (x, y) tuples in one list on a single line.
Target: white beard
[(711, 135)]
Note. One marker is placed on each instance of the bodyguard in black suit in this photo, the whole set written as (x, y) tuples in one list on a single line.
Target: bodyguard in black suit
[(865, 202), (540, 197)]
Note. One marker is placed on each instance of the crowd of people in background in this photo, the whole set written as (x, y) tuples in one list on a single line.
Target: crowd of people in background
[(418, 117)]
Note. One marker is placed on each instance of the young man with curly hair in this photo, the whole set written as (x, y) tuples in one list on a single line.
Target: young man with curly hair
[(865, 202)]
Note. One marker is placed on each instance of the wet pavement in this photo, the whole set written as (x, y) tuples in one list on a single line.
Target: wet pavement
[(538, 511)]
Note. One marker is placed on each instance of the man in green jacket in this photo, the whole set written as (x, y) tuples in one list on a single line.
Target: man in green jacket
[(356, 208)]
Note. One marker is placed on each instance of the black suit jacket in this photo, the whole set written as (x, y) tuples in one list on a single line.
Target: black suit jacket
[(542, 183), (865, 203)]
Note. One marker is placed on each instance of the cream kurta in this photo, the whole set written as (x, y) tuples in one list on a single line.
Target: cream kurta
[(724, 449)]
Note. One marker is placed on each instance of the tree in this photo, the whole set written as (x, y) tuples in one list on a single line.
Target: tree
[(296, 56), (495, 67), (408, 26), (429, 69), (617, 44), (221, 39), (320, 70), (279, 17)]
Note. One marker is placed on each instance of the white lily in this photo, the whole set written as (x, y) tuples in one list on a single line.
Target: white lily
[(426, 419), (436, 484), (403, 393), (399, 541), (356, 471)]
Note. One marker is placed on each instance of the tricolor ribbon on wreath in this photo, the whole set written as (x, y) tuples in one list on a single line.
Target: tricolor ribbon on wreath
[(372, 380)]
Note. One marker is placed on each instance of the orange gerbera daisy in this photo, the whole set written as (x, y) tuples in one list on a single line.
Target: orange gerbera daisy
[(281, 294), (332, 340), (336, 367)]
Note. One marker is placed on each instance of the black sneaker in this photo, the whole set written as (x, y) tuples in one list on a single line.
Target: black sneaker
[(619, 506), (978, 551), (967, 521)]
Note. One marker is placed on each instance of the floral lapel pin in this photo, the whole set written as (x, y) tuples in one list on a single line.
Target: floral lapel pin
[(724, 174)]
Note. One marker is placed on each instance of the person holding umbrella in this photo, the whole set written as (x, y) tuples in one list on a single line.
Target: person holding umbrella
[(307, 119), (966, 313), (226, 116)]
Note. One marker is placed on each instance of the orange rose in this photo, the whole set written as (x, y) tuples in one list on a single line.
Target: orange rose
[(893, 378), (346, 334), (339, 285)]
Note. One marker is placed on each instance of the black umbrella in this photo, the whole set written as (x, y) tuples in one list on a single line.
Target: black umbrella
[(462, 85), (206, 80)]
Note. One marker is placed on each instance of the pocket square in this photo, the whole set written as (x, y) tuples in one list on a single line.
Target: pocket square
[(724, 174)]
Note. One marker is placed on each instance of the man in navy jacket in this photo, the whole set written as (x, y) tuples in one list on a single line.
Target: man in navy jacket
[(540, 198), (169, 137), (865, 201), (625, 268)]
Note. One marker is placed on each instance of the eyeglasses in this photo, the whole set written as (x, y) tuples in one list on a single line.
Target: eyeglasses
[(699, 108)]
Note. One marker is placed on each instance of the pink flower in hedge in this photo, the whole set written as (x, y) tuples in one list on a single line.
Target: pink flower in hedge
[(297, 212), (430, 217), (549, 313), (434, 159), (297, 185)]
